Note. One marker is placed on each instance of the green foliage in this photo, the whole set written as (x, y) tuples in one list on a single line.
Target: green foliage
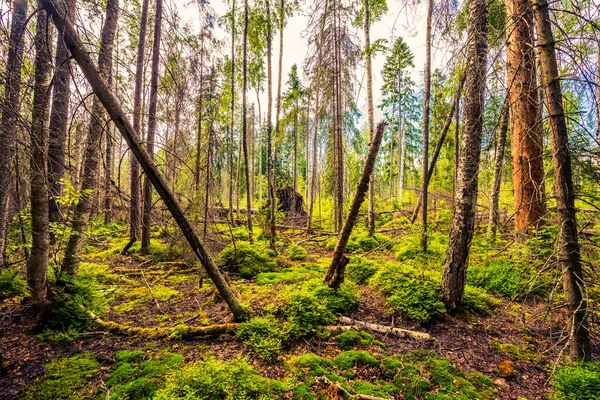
[(296, 252), (360, 242), (210, 378), (12, 283), (58, 337), (287, 275), (409, 248), (414, 294), (500, 276), (360, 270), (263, 335), (132, 377), (308, 365), (352, 338), (477, 300), (142, 295), (516, 352), (71, 297), (249, 260), (350, 358), (580, 381), (62, 378)]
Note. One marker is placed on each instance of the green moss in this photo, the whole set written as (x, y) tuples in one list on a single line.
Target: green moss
[(58, 338), (12, 283), (516, 352), (246, 259), (210, 378), (296, 252), (360, 242), (62, 378), (350, 339), (308, 365), (350, 358), (409, 248), (580, 381), (477, 300), (501, 276), (133, 377), (360, 270), (142, 295), (264, 336), (286, 275)]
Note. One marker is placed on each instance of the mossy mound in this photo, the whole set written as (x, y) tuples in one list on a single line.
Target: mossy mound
[(247, 259)]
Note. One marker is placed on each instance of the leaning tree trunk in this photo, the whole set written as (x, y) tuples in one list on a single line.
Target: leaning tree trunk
[(438, 146), (335, 274), (147, 211), (134, 167), (465, 202), (58, 122), (569, 256), (37, 264), (10, 114), (426, 102), (370, 112), (81, 214), (525, 126), (498, 164), (110, 103)]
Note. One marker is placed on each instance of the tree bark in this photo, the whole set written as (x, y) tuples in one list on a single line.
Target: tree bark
[(230, 147), (426, 101), (401, 144), (58, 123), (498, 165), (111, 105), (10, 114), (134, 167), (463, 220), (335, 274), (147, 211), (81, 214), (277, 115), (569, 256), (270, 172), (370, 112), (525, 126), (37, 264), (438, 146)]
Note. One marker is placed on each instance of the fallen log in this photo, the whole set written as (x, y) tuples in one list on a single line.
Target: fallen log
[(350, 323)]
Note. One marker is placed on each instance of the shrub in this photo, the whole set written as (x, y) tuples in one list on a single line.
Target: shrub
[(12, 283), (414, 294), (62, 378), (249, 260), (263, 335), (210, 378), (350, 339), (296, 252), (580, 381), (133, 378), (360, 270)]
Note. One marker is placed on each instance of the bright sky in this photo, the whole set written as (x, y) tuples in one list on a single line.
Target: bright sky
[(399, 21)]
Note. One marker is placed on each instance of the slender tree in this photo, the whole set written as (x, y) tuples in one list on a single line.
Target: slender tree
[(270, 172), (498, 165), (82, 212), (10, 114), (370, 110), (37, 264), (426, 106), (146, 217), (232, 109), (569, 255), (465, 202)]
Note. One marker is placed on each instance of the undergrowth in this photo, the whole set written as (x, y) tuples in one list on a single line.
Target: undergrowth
[(580, 381), (247, 259)]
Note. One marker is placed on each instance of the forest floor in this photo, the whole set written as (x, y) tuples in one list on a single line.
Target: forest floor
[(514, 344)]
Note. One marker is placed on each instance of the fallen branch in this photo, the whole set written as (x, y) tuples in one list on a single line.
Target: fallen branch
[(350, 323), (340, 392)]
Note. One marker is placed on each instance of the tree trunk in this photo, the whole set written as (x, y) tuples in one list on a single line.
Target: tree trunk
[(147, 211), (525, 126), (498, 165), (438, 146), (134, 167), (426, 101), (230, 148), (111, 105), (37, 264), (313, 180), (58, 123), (401, 145), (277, 115), (295, 161), (463, 220), (335, 274), (10, 114), (370, 112), (270, 174), (81, 214), (456, 152), (569, 256), (338, 141)]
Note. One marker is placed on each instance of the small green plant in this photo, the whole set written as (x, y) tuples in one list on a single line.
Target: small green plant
[(210, 378), (477, 300), (58, 337), (12, 283), (296, 252), (500, 276), (286, 275), (580, 381), (352, 338), (134, 377), (360, 242), (246, 259), (360, 270), (263, 335), (62, 378)]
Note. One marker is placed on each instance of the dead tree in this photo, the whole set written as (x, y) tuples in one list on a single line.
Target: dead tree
[(569, 256), (335, 274), (110, 103)]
